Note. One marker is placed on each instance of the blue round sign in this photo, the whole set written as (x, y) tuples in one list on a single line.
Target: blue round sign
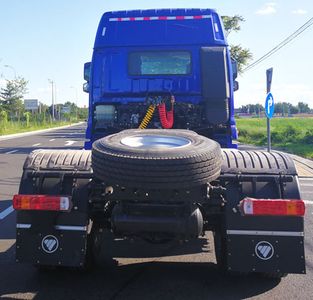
[(269, 105)]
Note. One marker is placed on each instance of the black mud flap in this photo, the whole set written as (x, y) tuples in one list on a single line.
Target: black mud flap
[(62, 245), (50, 237), (265, 244), (270, 253)]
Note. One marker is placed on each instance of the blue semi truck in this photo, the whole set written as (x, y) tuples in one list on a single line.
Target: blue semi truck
[(142, 57), (159, 162)]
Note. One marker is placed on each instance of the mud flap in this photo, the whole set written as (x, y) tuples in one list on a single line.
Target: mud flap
[(60, 246), (265, 253)]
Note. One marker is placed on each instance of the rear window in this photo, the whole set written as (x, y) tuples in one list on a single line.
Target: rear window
[(159, 63)]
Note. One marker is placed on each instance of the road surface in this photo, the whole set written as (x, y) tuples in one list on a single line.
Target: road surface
[(171, 271)]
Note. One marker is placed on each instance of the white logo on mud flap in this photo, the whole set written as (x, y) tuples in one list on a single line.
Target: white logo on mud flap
[(49, 244), (264, 250)]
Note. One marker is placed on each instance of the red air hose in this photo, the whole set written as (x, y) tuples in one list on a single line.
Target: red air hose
[(166, 117)]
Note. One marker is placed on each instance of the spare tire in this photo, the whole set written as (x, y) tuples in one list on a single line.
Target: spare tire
[(156, 158)]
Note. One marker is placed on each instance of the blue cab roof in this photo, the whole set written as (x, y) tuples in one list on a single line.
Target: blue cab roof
[(160, 27)]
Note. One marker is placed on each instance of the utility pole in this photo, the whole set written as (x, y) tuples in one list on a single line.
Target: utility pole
[(52, 96)]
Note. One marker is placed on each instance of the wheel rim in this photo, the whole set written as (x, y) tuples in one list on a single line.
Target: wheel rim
[(155, 142)]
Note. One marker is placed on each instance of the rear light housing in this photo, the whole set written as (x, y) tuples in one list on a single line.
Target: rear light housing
[(272, 207), (42, 202)]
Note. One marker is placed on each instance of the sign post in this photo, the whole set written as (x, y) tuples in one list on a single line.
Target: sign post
[(269, 106)]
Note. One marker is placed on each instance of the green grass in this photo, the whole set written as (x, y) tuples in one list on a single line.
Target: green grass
[(19, 127), (294, 135)]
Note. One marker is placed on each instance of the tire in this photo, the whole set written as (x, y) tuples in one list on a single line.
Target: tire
[(156, 158)]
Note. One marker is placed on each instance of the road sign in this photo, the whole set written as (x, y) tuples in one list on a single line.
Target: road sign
[(269, 105), (66, 110), (31, 104)]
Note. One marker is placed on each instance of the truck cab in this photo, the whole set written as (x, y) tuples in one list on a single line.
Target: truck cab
[(148, 57)]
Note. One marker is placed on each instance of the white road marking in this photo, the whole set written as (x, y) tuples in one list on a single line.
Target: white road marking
[(51, 140), (10, 152), (35, 145), (6, 212), (69, 143)]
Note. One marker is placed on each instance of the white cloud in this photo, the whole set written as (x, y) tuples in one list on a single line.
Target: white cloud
[(268, 9), (299, 11)]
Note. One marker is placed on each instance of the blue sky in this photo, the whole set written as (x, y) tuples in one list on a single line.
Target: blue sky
[(53, 38)]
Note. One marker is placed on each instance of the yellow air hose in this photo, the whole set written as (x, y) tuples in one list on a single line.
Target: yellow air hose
[(147, 118)]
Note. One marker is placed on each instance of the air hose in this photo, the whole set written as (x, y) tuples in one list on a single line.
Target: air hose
[(166, 117), (147, 118)]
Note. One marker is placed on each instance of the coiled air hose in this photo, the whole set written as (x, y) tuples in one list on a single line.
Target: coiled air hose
[(166, 117), (147, 118)]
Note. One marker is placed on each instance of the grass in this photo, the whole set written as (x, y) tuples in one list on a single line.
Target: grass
[(294, 135), (19, 127)]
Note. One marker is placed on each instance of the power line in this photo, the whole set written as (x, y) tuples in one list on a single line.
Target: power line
[(281, 45)]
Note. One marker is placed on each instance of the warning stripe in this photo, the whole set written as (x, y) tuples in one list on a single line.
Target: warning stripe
[(158, 18)]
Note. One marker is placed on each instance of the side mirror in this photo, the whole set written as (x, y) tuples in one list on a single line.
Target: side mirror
[(86, 87), (234, 65), (87, 67)]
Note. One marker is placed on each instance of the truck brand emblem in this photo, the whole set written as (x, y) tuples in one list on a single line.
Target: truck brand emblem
[(50, 244), (264, 250)]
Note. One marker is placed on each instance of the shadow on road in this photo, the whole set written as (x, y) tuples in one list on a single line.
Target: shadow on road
[(141, 249), (156, 278), (152, 280)]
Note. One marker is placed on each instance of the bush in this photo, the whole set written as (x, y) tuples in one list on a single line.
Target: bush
[(308, 137), (277, 137), (258, 137), (290, 133)]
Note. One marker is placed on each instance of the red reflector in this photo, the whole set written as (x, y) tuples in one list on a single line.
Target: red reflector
[(272, 207), (42, 202)]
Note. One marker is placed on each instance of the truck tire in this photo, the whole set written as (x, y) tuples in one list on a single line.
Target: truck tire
[(156, 158)]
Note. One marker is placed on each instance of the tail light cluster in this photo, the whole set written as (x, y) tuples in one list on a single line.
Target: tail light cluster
[(272, 207), (42, 202)]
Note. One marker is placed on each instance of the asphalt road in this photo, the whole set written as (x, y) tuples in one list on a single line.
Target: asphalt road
[(172, 271)]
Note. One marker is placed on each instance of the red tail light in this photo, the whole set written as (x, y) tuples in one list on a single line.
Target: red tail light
[(42, 202), (272, 207)]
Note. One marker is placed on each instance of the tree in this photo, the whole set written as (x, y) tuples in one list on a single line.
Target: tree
[(240, 54), (232, 23), (12, 94), (303, 108)]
